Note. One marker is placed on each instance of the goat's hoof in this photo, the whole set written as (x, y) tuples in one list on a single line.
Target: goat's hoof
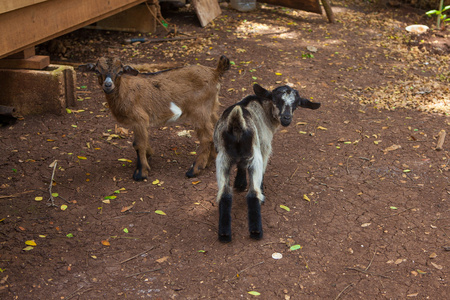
[(137, 176), (256, 235), (190, 173), (224, 238)]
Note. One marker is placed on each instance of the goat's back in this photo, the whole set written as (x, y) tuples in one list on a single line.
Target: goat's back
[(192, 88), (244, 125)]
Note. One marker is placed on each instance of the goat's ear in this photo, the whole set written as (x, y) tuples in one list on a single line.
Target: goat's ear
[(130, 70), (305, 103), (86, 68), (261, 92)]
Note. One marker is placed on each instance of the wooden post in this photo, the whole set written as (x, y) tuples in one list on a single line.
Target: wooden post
[(328, 11)]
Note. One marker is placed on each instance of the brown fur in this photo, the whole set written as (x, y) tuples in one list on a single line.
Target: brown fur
[(143, 100)]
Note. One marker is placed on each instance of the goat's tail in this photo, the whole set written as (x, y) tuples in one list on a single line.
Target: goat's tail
[(238, 134), (223, 65), (236, 123)]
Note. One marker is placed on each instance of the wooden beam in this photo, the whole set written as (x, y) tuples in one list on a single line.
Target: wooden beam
[(10, 5), (27, 53), (37, 62), (306, 5), (31, 25)]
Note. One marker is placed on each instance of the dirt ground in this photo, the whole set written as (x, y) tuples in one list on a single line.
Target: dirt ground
[(358, 184)]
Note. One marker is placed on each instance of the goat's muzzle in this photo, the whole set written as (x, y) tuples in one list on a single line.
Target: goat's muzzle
[(285, 120), (108, 85)]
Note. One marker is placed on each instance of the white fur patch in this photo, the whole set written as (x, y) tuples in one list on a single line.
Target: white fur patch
[(288, 98), (177, 112)]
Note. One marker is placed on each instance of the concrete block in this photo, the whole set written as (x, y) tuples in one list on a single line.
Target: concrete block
[(38, 91)]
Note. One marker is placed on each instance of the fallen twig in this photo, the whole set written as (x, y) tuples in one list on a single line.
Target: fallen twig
[(51, 185), (147, 271), (133, 257), (202, 222), (16, 195), (373, 256), (78, 293), (294, 172), (306, 261), (367, 272), (252, 266), (400, 212), (270, 243), (346, 166), (330, 187), (337, 297)]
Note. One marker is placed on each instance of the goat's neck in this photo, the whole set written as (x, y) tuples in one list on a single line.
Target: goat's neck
[(113, 98), (270, 115), (118, 107)]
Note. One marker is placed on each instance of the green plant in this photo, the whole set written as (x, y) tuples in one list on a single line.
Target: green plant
[(440, 14)]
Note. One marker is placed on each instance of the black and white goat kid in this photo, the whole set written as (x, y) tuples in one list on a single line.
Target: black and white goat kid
[(243, 137)]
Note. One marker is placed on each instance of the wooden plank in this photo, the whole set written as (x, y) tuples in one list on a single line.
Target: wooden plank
[(35, 24), (306, 5), (27, 53), (9, 5), (206, 10), (37, 62)]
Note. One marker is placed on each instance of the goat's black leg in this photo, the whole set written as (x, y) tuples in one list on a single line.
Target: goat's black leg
[(254, 216), (143, 149), (225, 218), (240, 182), (262, 187), (137, 175)]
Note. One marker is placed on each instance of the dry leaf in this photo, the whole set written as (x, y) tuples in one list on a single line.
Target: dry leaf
[(31, 243), (121, 131), (126, 208), (412, 295), (392, 148), (290, 242), (185, 133), (162, 259), (439, 267)]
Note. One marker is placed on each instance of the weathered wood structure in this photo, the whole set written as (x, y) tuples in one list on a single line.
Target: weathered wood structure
[(306, 5), (26, 23)]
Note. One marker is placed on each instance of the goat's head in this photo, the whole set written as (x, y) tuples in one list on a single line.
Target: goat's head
[(285, 100), (109, 72)]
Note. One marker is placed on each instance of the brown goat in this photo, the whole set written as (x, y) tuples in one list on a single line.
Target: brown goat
[(142, 100)]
